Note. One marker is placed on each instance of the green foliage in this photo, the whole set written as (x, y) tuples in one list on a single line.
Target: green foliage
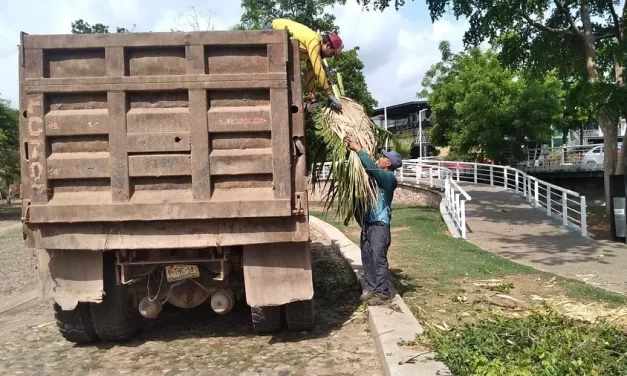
[(81, 27), (540, 344), (503, 287), (350, 188), (321, 146), (482, 109), (258, 13), (402, 145), (9, 144), (380, 5)]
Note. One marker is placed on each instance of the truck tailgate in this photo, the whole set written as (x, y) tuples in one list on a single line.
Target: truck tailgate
[(156, 126)]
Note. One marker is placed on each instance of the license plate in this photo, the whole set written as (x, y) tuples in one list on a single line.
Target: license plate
[(180, 272)]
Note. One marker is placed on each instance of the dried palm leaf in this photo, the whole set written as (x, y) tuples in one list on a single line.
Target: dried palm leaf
[(349, 185)]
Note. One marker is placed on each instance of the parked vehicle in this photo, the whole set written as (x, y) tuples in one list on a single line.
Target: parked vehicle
[(596, 155), (593, 156), (165, 168)]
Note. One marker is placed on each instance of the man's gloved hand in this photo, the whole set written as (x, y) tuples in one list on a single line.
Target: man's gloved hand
[(334, 103)]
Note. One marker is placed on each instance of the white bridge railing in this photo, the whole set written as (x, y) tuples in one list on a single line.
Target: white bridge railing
[(455, 197), (567, 206)]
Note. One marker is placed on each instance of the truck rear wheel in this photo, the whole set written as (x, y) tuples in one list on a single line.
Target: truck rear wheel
[(299, 315), (75, 325), (115, 318), (266, 319)]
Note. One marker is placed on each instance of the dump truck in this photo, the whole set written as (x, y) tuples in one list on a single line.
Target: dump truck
[(165, 168)]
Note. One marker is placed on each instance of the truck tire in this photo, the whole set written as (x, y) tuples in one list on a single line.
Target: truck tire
[(115, 319), (300, 315), (75, 325), (266, 319)]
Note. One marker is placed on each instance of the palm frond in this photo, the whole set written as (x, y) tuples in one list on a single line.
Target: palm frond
[(350, 186)]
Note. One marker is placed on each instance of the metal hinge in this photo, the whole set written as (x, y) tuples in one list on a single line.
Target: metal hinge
[(299, 205)]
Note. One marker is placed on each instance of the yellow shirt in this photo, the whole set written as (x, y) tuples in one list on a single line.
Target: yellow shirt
[(310, 43)]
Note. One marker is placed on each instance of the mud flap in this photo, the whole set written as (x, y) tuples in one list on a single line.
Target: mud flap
[(70, 277), (276, 274)]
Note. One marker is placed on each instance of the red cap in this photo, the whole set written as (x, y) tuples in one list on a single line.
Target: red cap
[(337, 43)]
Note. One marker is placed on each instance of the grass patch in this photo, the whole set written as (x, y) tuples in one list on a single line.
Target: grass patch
[(425, 261), (540, 344), (479, 306)]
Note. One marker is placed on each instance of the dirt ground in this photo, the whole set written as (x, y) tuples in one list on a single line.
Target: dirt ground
[(18, 265), (188, 342)]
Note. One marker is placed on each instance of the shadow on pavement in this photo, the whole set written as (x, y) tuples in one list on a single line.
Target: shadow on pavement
[(336, 297)]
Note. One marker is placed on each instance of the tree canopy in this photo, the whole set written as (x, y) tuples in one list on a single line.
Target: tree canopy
[(485, 110), (9, 144), (81, 27), (582, 39), (257, 13)]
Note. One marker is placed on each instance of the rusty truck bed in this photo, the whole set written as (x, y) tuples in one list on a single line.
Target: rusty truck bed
[(123, 134)]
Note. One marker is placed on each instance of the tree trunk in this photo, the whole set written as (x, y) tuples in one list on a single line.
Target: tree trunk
[(608, 123), (622, 156), (603, 117), (589, 45)]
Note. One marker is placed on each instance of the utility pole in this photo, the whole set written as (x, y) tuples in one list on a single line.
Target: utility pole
[(385, 117)]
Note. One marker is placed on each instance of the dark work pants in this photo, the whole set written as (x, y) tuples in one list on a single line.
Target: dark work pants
[(375, 241)]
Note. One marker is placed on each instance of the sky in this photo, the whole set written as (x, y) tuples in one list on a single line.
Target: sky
[(396, 47)]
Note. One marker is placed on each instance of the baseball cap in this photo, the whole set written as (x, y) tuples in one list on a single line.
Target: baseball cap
[(395, 158), (337, 43)]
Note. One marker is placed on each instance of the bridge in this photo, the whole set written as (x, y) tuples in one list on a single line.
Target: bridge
[(518, 216)]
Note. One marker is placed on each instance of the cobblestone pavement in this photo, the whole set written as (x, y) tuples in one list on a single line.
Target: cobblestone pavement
[(9, 215), (188, 342), (18, 265)]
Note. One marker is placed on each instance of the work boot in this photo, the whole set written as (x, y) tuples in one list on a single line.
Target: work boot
[(378, 300), (367, 294)]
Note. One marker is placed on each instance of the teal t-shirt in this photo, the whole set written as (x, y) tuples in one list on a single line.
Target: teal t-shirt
[(386, 181)]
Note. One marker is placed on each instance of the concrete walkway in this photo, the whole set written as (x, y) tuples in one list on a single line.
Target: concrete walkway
[(504, 223)]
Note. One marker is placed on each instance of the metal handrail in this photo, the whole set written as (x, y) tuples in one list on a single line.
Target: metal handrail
[(555, 201), (539, 193)]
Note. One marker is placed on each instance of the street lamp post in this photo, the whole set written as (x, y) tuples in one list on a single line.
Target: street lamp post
[(420, 129), (385, 116)]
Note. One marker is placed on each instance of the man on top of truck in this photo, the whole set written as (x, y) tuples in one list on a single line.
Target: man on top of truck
[(313, 48)]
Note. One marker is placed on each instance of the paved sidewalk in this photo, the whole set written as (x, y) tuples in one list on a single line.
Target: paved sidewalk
[(504, 223)]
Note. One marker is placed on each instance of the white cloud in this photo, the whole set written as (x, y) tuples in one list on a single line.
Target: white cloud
[(396, 47), (396, 51)]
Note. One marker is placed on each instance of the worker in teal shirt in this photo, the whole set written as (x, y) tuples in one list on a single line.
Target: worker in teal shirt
[(375, 230)]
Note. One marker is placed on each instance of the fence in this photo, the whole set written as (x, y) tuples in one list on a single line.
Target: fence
[(565, 205), (561, 156)]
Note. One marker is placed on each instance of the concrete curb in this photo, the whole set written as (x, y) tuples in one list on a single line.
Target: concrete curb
[(388, 327)]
